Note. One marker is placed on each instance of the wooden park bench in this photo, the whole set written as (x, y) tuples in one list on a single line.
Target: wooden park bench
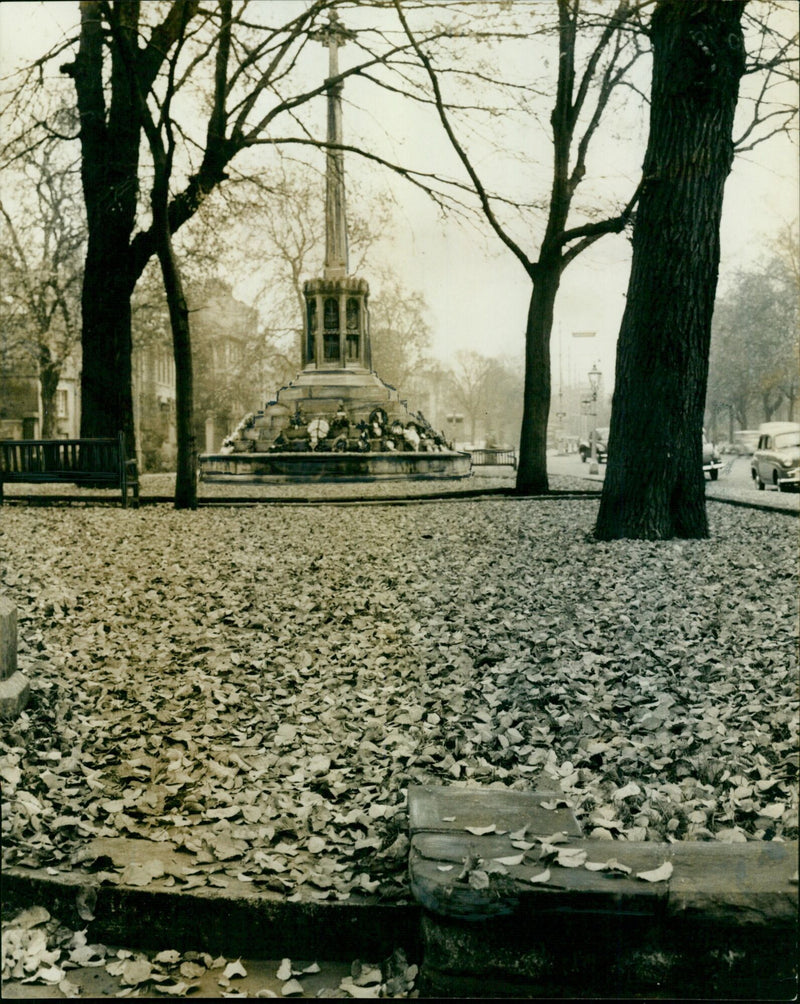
[(494, 458), (90, 463)]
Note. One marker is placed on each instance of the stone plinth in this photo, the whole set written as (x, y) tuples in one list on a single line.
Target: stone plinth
[(14, 687), (356, 393), (334, 425), (721, 923), (256, 468)]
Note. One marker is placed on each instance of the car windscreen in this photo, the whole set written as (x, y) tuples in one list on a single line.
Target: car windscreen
[(786, 440)]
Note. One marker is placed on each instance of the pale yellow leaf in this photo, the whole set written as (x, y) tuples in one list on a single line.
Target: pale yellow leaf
[(660, 874)]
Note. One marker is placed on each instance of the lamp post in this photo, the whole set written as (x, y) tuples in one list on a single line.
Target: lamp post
[(594, 383)]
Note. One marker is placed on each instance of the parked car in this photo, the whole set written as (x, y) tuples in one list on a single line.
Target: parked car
[(712, 461), (745, 441), (776, 460), (600, 438)]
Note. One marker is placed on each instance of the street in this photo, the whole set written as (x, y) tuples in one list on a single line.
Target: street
[(734, 480)]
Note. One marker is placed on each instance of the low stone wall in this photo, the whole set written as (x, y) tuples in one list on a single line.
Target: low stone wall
[(571, 917), (309, 466), (14, 687)]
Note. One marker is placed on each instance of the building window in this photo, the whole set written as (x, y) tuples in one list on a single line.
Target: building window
[(352, 348), (352, 314), (62, 404)]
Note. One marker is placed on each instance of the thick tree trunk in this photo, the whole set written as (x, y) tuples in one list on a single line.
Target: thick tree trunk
[(654, 486), (532, 469), (110, 177), (106, 391)]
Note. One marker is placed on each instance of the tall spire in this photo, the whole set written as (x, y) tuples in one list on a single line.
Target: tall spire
[(334, 35)]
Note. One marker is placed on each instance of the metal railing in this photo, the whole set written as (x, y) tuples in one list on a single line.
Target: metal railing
[(494, 458)]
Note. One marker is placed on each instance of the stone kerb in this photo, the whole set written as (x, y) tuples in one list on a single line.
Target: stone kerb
[(14, 687), (720, 923)]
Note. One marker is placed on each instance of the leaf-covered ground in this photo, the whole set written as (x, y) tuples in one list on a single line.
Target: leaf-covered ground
[(261, 685), (39, 951)]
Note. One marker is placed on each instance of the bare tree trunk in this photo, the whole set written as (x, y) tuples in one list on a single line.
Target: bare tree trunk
[(771, 404), (532, 470), (654, 486), (49, 375), (186, 474)]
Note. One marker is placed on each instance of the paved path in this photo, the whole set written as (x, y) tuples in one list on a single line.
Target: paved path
[(567, 474)]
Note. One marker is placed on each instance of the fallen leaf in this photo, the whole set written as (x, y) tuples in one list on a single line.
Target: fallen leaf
[(612, 865), (191, 970), (481, 831), (136, 971), (179, 989), (571, 857), (349, 986), (660, 874), (168, 957), (234, 969), (138, 873), (626, 791)]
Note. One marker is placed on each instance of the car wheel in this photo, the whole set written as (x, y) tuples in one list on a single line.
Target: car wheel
[(759, 483), (713, 474), (775, 480), (583, 456)]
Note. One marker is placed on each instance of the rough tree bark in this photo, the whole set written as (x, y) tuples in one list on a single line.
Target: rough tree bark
[(654, 485), (109, 174), (160, 137)]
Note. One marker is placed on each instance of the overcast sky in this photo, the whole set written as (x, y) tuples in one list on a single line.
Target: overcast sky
[(476, 290)]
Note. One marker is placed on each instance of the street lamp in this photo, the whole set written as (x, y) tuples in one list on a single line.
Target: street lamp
[(594, 383)]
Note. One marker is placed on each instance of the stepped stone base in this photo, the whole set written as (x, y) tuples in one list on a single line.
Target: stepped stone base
[(256, 468), (334, 425)]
